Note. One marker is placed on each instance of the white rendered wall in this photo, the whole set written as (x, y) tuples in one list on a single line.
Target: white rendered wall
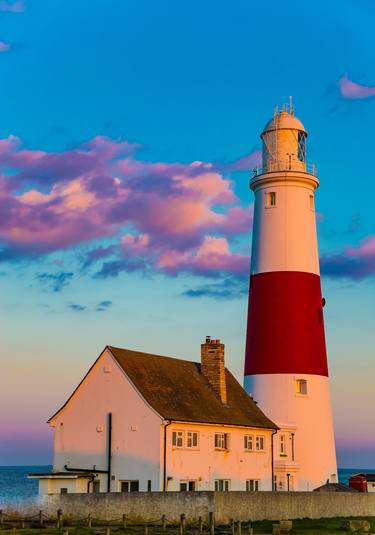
[(284, 236), (310, 416), (206, 464), (80, 437)]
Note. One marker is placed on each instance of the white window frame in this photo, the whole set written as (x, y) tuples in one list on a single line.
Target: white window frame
[(301, 387), (178, 439), (190, 440), (260, 443), (252, 485), (223, 483), (283, 452), (271, 199), (248, 442), (222, 441), (187, 483)]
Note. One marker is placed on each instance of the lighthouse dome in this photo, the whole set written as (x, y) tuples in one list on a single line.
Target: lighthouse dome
[(284, 120)]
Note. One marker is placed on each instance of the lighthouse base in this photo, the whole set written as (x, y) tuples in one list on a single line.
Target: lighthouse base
[(304, 447)]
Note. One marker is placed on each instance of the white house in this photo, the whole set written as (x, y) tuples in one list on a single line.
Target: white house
[(141, 422)]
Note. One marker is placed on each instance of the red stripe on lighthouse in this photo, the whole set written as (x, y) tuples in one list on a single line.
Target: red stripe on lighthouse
[(285, 329)]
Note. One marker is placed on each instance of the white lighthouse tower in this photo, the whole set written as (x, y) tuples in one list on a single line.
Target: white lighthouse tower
[(286, 363)]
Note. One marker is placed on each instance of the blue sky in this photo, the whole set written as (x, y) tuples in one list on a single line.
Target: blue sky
[(134, 84)]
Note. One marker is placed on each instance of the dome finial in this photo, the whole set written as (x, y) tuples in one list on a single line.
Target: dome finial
[(291, 110)]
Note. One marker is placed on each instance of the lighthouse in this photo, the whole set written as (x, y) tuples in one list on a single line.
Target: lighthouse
[(286, 363)]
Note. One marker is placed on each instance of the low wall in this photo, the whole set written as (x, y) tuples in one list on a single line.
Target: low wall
[(243, 506)]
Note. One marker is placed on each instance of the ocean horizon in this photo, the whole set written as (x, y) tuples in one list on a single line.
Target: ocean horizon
[(16, 488)]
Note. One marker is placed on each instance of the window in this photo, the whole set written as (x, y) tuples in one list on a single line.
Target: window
[(301, 386), (149, 485), (311, 199), (222, 485), (259, 443), (129, 486), (222, 441), (252, 485), (249, 442), (270, 199), (283, 445), (192, 439), (177, 439), (187, 486), (301, 146), (63, 490)]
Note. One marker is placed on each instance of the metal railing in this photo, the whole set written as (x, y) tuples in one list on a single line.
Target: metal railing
[(285, 165)]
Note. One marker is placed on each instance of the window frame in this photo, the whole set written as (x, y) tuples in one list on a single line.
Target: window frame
[(254, 483), (178, 434), (187, 439), (188, 483), (301, 387), (271, 199), (224, 441), (129, 483), (224, 483), (248, 439), (260, 440), (283, 442)]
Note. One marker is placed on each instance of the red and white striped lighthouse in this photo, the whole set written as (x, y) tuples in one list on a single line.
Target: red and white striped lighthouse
[(286, 363)]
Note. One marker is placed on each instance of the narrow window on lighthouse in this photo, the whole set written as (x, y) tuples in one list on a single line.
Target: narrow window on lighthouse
[(301, 386), (312, 202), (301, 146), (270, 199)]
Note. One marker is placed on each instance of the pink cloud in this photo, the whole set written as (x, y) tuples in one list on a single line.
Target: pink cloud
[(4, 47), (179, 214), (353, 263), (353, 90)]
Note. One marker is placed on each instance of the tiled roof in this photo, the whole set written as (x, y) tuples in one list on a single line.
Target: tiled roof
[(177, 390)]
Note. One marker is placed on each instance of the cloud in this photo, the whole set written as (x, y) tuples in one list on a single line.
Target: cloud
[(54, 282), (12, 7), (354, 263), (4, 47), (76, 308), (166, 217), (228, 288), (103, 305), (352, 90)]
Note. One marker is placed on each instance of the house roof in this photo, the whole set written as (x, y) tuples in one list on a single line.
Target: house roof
[(334, 487), (177, 390)]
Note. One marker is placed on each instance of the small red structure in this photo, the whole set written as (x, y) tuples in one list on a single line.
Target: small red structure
[(363, 482)]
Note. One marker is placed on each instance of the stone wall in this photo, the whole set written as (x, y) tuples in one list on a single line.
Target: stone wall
[(226, 505)]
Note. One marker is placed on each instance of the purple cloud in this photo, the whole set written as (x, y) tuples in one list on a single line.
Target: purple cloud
[(55, 282), (353, 263), (12, 7), (353, 90)]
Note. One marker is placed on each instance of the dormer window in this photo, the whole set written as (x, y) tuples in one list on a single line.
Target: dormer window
[(270, 199), (301, 387)]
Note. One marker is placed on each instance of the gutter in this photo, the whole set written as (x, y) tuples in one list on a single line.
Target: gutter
[(165, 457), (272, 463), (85, 470), (109, 451)]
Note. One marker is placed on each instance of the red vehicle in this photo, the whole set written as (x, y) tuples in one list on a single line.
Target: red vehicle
[(363, 482)]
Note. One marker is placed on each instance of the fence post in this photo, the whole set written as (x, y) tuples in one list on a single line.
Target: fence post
[(163, 522), (124, 521), (22, 524), (40, 518), (1, 517), (200, 525), (89, 520), (232, 526), (211, 522), (146, 529), (250, 528), (59, 518), (239, 527), (108, 531), (183, 522)]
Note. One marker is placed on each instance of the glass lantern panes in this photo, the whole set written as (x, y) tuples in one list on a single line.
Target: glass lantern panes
[(302, 146)]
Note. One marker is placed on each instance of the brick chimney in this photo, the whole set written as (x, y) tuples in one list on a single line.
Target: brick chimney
[(213, 366)]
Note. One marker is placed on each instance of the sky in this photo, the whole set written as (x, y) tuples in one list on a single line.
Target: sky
[(128, 131)]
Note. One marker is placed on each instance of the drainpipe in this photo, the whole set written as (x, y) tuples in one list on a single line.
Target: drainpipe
[(165, 457), (109, 450), (272, 461)]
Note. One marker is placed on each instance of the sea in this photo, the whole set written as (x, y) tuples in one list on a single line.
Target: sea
[(15, 487)]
